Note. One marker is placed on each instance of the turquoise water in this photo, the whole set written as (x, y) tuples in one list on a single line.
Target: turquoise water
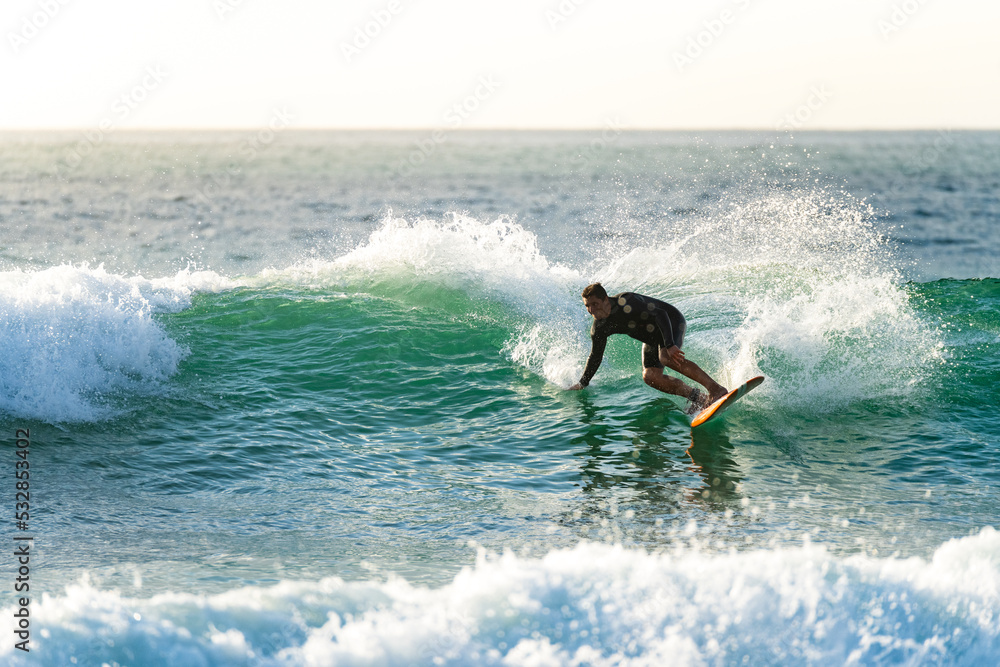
[(311, 409)]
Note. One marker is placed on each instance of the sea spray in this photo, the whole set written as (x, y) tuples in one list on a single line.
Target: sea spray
[(498, 259), (592, 604), (800, 287)]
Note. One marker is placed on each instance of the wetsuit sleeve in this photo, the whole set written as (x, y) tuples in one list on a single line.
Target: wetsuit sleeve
[(597, 345)]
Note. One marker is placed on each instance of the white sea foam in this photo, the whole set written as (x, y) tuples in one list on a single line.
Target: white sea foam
[(590, 605), (839, 340), (801, 288), (833, 317), (492, 262), (74, 338), (498, 258)]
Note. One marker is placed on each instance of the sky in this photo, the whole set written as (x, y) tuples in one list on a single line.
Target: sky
[(521, 64)]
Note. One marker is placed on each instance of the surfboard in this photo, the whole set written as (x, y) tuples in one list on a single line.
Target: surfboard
[(726, 402)]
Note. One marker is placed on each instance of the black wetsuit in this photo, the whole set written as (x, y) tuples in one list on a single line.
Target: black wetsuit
[(656, 323)]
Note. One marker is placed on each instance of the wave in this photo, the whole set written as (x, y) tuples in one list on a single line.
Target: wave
[(492, 269), (77, 338), (593, 604), (798, 288), (496, 261), (801, 288)]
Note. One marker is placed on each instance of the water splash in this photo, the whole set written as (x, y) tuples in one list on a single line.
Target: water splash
[(799, 287), (592, 604)]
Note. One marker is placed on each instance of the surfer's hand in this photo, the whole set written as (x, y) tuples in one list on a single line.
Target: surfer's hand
[(676, 354), (576, 387)]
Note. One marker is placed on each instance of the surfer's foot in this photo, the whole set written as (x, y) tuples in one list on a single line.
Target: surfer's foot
[(697, 401), (719, 392)]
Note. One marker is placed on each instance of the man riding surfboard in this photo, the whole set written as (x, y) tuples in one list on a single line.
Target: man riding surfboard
[(660, 327)]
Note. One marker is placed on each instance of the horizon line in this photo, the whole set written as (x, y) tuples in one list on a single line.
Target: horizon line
[(244, 128)]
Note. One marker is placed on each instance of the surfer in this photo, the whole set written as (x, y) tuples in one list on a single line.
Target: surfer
[(660, 327)]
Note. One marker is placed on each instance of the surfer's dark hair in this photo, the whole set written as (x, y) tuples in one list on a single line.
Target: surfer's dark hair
[(595, 289)]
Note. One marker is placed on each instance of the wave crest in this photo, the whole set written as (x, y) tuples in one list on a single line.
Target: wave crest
[(590, 605), (77, 339)]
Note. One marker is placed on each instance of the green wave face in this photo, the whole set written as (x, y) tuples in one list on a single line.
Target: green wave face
[(967, 315)]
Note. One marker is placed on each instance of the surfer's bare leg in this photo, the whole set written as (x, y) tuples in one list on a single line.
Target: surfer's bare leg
[(678, 362), (655, 378)]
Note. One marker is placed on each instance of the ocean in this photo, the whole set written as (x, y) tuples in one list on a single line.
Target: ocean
[(299, 398)]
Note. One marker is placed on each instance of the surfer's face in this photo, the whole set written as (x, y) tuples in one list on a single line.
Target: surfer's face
[(598, 307)]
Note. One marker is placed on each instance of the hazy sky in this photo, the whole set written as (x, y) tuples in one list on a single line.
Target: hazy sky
[(809, 64)]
